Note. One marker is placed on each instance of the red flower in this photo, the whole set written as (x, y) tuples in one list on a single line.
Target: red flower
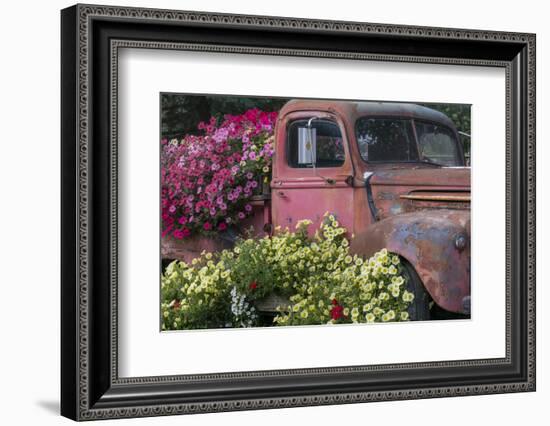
[(337, 312), (253, 285), (222, 226), (334, 302), (207, 226)]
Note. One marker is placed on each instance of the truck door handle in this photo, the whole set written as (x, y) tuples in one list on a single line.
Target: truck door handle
[(281, 194)]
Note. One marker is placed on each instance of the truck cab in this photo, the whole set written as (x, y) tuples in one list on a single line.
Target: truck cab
[(393, 174)]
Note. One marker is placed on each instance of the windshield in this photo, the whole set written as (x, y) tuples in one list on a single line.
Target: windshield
[(393, 140)]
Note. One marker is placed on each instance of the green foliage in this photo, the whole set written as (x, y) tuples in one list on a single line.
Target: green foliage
[(181, 114), (323, 282)]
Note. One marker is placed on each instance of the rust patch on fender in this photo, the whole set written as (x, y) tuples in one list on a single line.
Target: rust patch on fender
[(427, 240)]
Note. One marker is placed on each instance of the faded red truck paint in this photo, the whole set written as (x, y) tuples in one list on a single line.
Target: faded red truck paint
[(416, 209)]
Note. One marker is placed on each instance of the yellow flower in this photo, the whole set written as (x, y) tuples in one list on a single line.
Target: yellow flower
[(404, 316), (304, 314), (370, 317), (348, 259), (408, 296), (377, 311), (265, 169), (397, 280), (304, 223)]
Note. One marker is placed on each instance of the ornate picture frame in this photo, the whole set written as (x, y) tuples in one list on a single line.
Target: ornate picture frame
[(91, 37)]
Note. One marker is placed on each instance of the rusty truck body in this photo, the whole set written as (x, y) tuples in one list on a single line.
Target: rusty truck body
[(393, 174)]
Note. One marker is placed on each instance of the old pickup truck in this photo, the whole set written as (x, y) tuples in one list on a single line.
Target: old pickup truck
[(394, 175)]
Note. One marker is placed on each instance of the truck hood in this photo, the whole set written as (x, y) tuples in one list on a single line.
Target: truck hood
[(452, 177), (398, 191)]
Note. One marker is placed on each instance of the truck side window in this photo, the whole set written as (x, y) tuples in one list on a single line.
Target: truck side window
[(329, 150), (386, 139)]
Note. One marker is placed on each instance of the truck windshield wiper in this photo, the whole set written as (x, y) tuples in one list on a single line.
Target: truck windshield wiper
[(427, 161)]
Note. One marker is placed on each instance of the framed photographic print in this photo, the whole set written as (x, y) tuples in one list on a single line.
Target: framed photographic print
[(263, 212)]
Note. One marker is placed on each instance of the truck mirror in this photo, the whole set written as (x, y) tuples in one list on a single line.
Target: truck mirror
[(307, 145)]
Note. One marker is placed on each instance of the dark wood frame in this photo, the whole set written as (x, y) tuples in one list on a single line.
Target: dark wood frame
[(90, 386)]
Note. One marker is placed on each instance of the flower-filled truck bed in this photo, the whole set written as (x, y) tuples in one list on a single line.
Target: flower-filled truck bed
[(257, 224)]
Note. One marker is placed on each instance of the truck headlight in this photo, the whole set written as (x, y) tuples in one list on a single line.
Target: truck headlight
[(460, 242)]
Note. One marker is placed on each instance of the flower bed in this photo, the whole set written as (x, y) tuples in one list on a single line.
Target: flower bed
[(321, 280), (207, 181)]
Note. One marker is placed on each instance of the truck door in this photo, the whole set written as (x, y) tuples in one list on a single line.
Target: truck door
[(311, 175)]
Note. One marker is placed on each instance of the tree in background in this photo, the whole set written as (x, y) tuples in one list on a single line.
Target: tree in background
[(181, 114)]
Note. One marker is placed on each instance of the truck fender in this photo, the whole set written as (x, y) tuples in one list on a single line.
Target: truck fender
[(436, 243)]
